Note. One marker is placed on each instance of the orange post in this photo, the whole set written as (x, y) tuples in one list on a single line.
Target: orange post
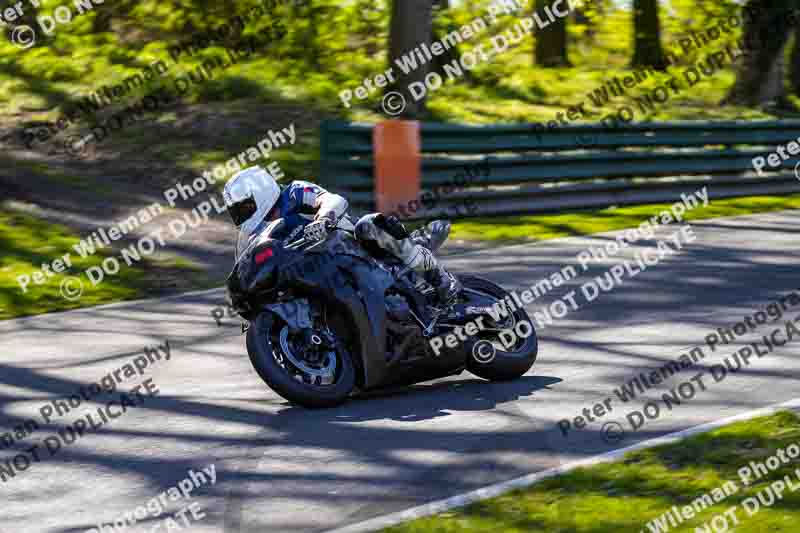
[(397, 148)]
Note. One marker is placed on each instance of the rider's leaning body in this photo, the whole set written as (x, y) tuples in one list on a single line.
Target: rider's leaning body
[(255, 199)]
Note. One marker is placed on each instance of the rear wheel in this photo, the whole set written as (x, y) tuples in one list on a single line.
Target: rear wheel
[(310, 367), (488, 357)]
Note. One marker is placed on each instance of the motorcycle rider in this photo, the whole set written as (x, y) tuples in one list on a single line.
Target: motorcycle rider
[(255, 199)]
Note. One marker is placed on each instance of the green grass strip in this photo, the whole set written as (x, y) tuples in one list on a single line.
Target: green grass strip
[(27, 242), (627, 495), (525, 228)]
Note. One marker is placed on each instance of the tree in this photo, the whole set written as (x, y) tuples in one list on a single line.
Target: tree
[(648, 52), (795, 68), (103, 18), (411, 25), (760, 78), (551, 41), (28, 18)]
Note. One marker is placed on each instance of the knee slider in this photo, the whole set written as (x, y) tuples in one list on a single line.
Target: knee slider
[(363, 229)]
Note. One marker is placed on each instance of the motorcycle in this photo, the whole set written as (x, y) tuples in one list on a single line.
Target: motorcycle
[(327, 318)]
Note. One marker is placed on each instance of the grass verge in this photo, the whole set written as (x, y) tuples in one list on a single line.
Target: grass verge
[(628, 495), (28, 242), (526, 228)]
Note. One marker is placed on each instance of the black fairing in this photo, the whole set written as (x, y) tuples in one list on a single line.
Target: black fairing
[(338, 272)]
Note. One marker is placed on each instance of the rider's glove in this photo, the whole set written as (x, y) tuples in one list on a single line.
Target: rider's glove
[(328, 218), (327, 215), (317, 230)]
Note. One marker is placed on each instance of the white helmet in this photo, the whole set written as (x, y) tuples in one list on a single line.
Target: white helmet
[(250, 194)]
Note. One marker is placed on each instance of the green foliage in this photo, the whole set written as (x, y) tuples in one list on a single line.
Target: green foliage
[(332, 44)]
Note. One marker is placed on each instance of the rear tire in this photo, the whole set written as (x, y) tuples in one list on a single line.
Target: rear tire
[(260, 347), (504, 366)]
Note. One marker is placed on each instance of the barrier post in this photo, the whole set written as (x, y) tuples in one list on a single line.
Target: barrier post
[(397, 148)]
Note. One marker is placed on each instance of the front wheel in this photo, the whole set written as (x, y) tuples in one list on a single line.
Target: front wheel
[(311, 368), (488, 357)]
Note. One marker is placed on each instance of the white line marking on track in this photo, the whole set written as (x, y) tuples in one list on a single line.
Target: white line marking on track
[(492, 491)]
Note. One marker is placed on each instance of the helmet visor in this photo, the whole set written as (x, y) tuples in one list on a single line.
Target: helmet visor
[(240, 212)]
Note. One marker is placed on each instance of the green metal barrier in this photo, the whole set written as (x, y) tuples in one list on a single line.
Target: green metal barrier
[(572, 167)]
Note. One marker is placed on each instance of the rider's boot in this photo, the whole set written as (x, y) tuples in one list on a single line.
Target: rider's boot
[(421, 260)]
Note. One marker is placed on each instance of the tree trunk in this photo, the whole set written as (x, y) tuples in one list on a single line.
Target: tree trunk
[(411, 25), (774, 90), (550, 49), (102, 20), (795, 64), (759, 81), (647, 36), (448, 56), (28, 18)]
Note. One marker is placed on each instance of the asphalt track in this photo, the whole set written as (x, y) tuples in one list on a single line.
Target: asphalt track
[(285, 469)]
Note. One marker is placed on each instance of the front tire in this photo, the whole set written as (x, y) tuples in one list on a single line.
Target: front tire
[(261, 346), (505, 365)]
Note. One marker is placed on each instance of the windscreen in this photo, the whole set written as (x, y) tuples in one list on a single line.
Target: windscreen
[(262, 231)]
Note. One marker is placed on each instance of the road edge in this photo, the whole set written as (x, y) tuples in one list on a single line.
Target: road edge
[(491, 491)]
